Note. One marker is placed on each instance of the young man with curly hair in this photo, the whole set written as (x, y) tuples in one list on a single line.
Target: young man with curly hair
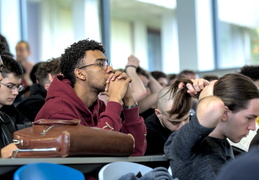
[(74, 94)]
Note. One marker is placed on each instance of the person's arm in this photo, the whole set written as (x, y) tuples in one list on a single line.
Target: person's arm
[(210, 108), (7, 151), (116, 91), (154, 85), (138, 89), (151, 99), (134, 124)]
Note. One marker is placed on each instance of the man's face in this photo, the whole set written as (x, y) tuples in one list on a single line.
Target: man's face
[(22, 52), (7, 95), (171, 123), (96, 76), (240, 123)]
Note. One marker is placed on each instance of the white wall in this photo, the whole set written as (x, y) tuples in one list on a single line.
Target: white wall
[(169, 38), (10, 22), (57, 29), (121, 42), (140, 46)]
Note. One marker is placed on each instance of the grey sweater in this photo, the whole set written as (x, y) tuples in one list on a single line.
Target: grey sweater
[(195, 155)]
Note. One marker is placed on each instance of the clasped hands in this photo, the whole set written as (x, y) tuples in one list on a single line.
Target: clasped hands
[(118, 89)]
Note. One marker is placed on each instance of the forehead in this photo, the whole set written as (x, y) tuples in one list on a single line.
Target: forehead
[(21, 45), (252, 108), (10, 77), (91, 56), (173, 117)]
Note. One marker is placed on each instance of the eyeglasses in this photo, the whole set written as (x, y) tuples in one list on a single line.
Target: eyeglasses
[(13, 87), (103, 63)]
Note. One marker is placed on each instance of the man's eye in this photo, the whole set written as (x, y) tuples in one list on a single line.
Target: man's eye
[(101, 64)]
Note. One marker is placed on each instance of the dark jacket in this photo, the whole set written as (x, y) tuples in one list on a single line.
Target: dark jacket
[(194, 155), (156, 135), (7, 128), (31, 105), (17, 117)]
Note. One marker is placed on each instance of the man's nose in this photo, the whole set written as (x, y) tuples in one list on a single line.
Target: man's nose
[(109, 69)]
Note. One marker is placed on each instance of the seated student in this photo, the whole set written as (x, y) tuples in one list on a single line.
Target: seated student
[(227, 108), (160, 124), (45, 73), (6, 147), (251, 71), (10, 88), (23, 51), (74, 94)]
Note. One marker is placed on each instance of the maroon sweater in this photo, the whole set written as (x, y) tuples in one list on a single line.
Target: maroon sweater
[(63, 103)]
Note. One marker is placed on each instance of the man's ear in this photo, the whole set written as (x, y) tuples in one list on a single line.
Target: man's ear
[(226, 114), (79, 74), (50, 77), (158, 113)]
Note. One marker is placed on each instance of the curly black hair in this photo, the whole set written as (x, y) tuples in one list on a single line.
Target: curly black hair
[(250, 71), (73, 56), (11, 66)]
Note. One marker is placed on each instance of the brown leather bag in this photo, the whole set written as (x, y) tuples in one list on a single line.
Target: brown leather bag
[(62, 138)]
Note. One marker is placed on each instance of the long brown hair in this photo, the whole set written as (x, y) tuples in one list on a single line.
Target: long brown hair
[(235, 90), (183, 102)]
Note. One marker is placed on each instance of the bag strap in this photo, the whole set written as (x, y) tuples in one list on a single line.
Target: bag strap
[(56, 121), (6, 119)]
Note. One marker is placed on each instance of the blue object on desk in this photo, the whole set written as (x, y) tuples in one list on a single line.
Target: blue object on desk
[(47, 171)]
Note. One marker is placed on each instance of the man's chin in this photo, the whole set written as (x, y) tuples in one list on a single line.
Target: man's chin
[(236, 140)]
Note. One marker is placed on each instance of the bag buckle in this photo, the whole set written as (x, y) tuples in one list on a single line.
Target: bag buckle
[(15, 153), (17, 141)]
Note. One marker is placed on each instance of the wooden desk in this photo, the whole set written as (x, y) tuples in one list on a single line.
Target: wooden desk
[(84, 164)]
